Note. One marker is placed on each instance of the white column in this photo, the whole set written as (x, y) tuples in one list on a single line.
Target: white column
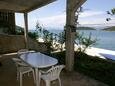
[(72, 6), (69, 39), (26, 29)]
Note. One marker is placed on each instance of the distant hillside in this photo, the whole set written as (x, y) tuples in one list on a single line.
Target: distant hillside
[(109, 28), (86, 28), (18, 27), (19, 30)]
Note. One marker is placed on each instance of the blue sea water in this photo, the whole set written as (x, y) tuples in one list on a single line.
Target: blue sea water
[(106, 39)]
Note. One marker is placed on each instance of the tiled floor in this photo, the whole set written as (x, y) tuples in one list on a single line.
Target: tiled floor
[(8, 77)]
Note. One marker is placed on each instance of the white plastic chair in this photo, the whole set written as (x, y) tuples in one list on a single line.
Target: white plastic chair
[(22, 68), (50, 75), (22, 51)]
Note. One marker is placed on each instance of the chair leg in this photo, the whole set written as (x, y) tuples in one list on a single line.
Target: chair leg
[(28, 74), (34, 76), (59, 81), (39, 78), (21, 79), (17, 75), (47, 83)]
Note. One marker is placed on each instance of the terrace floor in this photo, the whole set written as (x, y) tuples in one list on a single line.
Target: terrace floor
[(8, 76)]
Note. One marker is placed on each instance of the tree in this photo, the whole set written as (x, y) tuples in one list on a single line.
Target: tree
[(56, 40), (61, 39), (84, 42), (112, 13), (77, 15)]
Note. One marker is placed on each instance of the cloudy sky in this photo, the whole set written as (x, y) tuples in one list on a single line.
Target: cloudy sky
[(53, 15)]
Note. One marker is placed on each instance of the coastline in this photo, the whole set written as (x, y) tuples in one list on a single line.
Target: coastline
[(101, 53), (93, 51)]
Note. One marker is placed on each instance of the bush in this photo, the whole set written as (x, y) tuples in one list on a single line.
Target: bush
[(33, 35), (95, 67)]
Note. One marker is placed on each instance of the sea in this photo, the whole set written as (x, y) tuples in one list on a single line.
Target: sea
[(105, 39)]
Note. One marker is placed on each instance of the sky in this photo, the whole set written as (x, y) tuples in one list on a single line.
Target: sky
[(53, 15)]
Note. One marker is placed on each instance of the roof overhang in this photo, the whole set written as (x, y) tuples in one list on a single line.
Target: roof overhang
[(23, 6)]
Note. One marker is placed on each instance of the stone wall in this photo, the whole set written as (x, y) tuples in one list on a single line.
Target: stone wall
[(7, 22), (13, 43)]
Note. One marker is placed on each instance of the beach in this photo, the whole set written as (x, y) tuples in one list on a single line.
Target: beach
[(102, 53)]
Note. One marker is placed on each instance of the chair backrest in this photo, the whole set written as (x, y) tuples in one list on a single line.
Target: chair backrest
[(16, 59), (54, 72), (19, 62), (22, 51)]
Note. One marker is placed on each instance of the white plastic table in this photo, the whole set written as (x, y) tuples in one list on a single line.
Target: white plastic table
[(38, 60)]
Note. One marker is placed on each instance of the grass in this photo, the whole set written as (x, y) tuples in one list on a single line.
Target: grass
[(95, 67)]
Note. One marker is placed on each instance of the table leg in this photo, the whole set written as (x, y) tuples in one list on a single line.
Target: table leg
[(36, 76)]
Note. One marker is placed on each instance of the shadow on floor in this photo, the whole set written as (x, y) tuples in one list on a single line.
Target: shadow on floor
[(8, 77)]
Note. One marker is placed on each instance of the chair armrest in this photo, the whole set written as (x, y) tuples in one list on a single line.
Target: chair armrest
[(42, 71), (22, 64)]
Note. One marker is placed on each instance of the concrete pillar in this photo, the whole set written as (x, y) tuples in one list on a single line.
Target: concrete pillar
[(26, 30), (72, 6), (69, 38)]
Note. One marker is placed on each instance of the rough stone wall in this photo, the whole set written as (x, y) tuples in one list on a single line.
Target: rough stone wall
[(7, 22), (13, 43), (38, 46)]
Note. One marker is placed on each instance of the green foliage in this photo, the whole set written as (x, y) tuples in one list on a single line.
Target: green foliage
[(84, 41), (88, 41), (43, 33), (85, 28), (109, 28), (19, 30), (56, 40), (111, 12), (33, 35), (39, 29), (47, 36), (60, 56), (61, 39), (95, 67)]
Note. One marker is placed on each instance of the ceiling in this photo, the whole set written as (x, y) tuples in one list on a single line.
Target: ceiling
[(23, 6)]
